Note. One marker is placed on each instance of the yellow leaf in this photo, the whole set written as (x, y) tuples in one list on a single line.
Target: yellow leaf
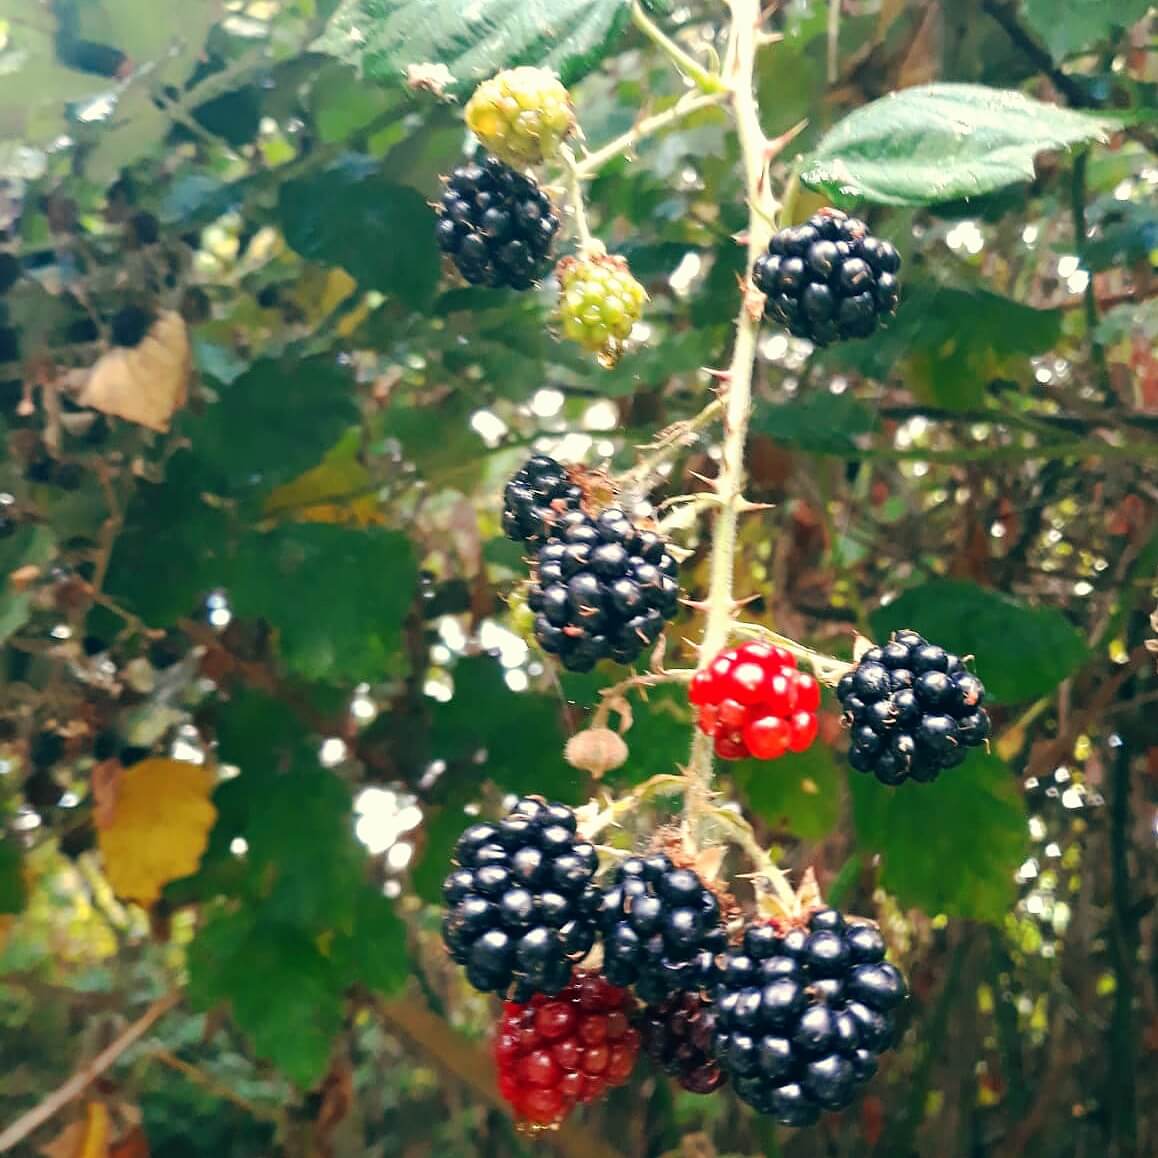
[(159, 827), (147, 383), (88, 1138), (338, 490)]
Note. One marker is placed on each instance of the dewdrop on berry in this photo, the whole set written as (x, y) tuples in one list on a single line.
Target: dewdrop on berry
[(599, 304), (522, 115)]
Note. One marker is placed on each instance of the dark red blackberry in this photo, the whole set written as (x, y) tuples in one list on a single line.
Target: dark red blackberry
[(828, 278), (661, 928), (802, 1016), (555, 1052), (602, 590), (913, 709), (678, 1035), (535, 499), (520, 902), (496, 225)]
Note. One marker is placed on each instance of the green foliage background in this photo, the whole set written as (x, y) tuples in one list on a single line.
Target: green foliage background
[(305, 581)]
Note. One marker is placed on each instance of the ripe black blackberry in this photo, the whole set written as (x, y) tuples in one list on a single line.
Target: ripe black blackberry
[(913, 708), (520, 902), (801, 1016), (602, 590), (661, 928), (496, 225), (679, 1036), (828, 278), (535, 499)]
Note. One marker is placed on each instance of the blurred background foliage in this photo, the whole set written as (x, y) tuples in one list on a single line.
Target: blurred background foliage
[(295, 574)]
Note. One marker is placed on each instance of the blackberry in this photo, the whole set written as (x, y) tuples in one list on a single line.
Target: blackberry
[(522, 115), (554, 1052), (536, 497), (602, 590), (913, 709), (520, 903), (678, 1035), (801, 1016), (828, 279), (496, 225), (661, 928)]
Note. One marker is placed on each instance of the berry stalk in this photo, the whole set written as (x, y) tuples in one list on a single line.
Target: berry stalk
[(737, 382)]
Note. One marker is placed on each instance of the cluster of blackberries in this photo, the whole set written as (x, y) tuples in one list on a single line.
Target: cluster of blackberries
[(679, 1036), (520, 903), (555, 1052), (913, 708), (603, 589), (661, 928), (802, 1016), (828, 278), (496, 225), (536, 498)]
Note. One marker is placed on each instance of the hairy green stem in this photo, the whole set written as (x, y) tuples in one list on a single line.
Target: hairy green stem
[(736, 387), (687, 64)]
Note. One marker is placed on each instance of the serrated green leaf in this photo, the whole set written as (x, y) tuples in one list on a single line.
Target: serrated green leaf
[(952, 846), (821, 422), (380, 233), (283, 992), (799, 792), (474, 41), (13, 892), (1067, 26), (1021, 652), (274, 421), (336, 595), (939, 142)]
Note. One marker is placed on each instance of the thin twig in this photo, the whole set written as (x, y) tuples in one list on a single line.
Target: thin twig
[(212, 1085), (83, 1078)]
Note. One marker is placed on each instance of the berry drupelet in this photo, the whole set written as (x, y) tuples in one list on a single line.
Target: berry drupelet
[(555, 1052), (661, 928), (520, 906), (603, 590), (913, 709), (522, 115), (679, 1036), (828, 279), (802, 1015), (753, 701), (599, 304), (496, 225), (536, 498)]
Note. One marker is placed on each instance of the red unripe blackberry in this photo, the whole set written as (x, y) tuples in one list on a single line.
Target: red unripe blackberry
[(496, 225), (753, 701), (536, 499), (554, 1052), (913, 710), (802, 1015), (828, 279), (679, 1036), (520, 904)]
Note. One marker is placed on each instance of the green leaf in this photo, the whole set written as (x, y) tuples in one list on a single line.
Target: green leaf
[(380, 233), (302, 847), (30, 545), (336, 595), (799, 792), (275, 421), (1021, 651), (256, 732), (950, 341), (476, 40), (938, 142), (952, 846), (284, 993), (373, 951), (169, 551), (13, 891), (1067, 26), (820, 422)]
